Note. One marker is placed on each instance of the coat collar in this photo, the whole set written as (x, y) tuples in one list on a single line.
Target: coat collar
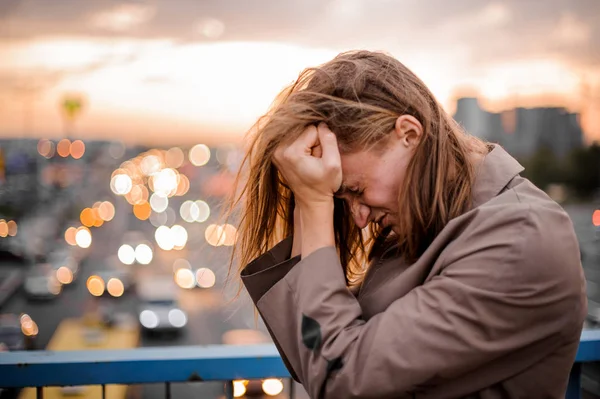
[(496, 170)]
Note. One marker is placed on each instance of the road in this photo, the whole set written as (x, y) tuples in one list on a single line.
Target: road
[(210, 312)]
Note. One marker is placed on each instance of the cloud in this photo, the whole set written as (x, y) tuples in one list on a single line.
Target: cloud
[(467, 34), (123, 17)]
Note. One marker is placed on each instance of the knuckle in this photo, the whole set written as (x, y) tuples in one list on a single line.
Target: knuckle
[(310, 129)]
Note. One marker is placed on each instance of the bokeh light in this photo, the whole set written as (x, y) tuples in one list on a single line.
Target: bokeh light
[(45, 148), (97, 219), (115, 287), (150, 164), (95, 285), (239, 388), (230, 233), (126, 254), (3, 228), (189, 211), (199, 155), (87, 217), (63, 148), (54, 286), (215, 235), (181, 264), (272, 386), (142, 211), (203, 211), (83, 237), (70, 236), (148, 319), (177, 318), (137, 195), (164, 238), (596, 218), (185, 278), (143, 254), (183, 186), (12, 228), (158, 219), (165, 182), (106, 211), (121, 184), (171, 216), (205, 278), (174, 157), (180, 236), (28, 326), (64, 275), (77, 149), (158, 203)]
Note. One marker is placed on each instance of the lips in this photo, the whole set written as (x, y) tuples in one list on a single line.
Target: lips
[(383, 221)]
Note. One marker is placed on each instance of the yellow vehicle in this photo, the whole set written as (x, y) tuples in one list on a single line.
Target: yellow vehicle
[(89, 333)]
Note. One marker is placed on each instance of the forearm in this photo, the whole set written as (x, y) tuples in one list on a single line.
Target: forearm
[(317, 227)]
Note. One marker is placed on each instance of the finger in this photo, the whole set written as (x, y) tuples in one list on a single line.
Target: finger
[(317, 151), (331, 153), (308, 139)]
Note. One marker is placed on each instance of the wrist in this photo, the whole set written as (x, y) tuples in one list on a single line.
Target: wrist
[(316, 207), (317, 226)]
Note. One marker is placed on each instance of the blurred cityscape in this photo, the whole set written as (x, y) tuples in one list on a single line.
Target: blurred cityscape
[(121, 131)]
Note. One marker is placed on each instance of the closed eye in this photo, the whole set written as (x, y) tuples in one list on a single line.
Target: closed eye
[(356, 192), (344, 190)]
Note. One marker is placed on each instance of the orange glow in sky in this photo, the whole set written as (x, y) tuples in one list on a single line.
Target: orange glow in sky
[(160, 91)]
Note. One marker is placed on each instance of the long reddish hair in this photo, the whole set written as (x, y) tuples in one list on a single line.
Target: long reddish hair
[(359, 95)]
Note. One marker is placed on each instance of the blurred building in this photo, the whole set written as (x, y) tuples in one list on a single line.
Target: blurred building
[(522, 131)]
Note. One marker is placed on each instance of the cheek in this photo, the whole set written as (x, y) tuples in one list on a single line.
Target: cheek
[(385, 195)]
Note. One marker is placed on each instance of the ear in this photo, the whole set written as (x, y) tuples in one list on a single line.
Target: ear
[(408, 130)]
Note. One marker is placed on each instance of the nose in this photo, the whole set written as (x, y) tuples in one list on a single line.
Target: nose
[(360, 214)]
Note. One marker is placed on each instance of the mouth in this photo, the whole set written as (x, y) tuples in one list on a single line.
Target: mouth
[(382, 221)]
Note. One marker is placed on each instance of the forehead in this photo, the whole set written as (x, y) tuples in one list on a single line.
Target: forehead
[(356, 166)]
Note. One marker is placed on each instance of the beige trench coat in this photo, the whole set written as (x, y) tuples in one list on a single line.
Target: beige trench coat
[(494, 308)]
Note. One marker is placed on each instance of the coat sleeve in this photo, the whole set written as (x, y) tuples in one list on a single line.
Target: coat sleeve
[(489, 301), (263, 273)]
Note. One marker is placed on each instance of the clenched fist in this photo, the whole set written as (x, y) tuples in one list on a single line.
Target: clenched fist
[(311, 166)]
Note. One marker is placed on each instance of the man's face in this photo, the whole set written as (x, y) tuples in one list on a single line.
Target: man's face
[(371, 182)]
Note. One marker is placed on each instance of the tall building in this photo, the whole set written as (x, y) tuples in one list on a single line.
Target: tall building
[(522, 131)]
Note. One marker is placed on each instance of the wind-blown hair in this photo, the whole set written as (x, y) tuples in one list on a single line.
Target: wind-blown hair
[(359, 95)]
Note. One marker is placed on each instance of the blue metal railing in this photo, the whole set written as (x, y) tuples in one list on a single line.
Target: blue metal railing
[(181, 364)]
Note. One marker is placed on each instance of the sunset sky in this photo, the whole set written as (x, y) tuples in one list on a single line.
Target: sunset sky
[(165, 71)]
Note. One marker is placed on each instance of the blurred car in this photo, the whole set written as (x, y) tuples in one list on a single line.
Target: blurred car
[(17, 333), (41, 283), (159, 310)]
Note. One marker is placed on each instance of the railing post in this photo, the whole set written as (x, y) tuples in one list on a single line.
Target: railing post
[(229, 389), (103, 391), (292, 389), (574, 387), (39, 392), (168, 390)]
